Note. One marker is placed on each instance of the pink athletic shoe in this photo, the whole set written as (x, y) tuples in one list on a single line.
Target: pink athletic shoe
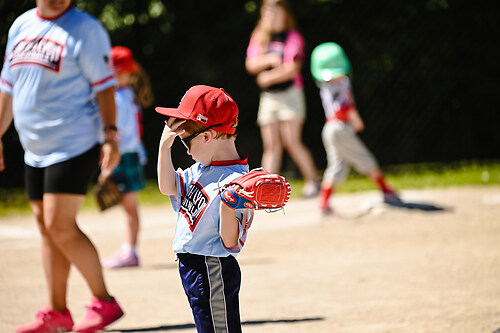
[(99, 315), (120, 260), (48, 321)]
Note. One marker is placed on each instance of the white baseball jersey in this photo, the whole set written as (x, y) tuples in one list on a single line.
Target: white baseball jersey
[(337, 98), (53, 68), (198, 206), (127, 121)]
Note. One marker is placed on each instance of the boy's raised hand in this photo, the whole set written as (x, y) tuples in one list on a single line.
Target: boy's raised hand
[(170, 131)]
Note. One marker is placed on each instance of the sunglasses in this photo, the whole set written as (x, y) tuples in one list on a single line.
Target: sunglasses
[(186, 141)]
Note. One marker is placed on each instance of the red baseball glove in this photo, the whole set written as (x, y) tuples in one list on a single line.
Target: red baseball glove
[(257, 189)]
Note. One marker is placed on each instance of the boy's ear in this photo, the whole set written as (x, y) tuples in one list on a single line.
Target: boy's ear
[(209, 135)]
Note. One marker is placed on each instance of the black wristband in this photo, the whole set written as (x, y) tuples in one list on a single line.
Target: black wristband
[(111, 128)]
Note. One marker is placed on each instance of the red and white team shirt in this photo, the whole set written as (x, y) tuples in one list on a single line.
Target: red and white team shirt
[(198, 206)]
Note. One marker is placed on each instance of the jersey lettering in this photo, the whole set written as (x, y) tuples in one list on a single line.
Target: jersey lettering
[(194, 204), (39, 51)]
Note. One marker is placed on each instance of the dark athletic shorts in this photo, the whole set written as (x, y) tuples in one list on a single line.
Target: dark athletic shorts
[(71, 176), (129, 174)]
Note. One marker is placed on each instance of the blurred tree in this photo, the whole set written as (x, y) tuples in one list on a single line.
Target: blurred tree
[(424, 72)]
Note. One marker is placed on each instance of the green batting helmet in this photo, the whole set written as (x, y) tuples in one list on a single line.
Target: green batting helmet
[(328, 61)]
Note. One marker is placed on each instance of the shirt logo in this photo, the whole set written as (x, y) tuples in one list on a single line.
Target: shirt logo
[(194, 204), (38, 51), (229, 197)]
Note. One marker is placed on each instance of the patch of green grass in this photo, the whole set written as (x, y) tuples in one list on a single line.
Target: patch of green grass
[(419, 176), (401, 177), (13, 201)]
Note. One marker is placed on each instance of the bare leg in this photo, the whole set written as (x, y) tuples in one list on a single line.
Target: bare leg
[(291, 134), (59, 212), (272, 147), (132, 230), (55, 265), (127, 254)]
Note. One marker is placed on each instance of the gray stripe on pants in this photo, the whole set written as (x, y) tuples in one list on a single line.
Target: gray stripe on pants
[(217, 297)]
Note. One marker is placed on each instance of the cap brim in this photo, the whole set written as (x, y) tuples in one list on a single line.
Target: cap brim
[(332, 74), (133, 68), (328, 74), (170, 112), (126, 67)]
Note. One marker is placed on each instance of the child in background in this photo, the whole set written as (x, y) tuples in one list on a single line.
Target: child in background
[(329, 67), (208, 235), (275, 55), (133, 92)]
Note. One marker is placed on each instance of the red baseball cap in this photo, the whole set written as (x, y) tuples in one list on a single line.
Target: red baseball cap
[(207, 106), (123, 60)]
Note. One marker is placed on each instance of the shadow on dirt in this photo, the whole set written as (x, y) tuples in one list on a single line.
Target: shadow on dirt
[(280, 321), (245, 323), (418, 206), (156, 328)]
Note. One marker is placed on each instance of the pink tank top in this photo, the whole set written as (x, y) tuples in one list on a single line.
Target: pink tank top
[(290, 45)]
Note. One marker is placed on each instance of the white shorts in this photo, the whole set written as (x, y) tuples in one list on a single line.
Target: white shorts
[(282, 105), (344, 149)]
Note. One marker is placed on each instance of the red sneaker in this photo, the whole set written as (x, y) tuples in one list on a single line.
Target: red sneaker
[(99, 315), (48, 321)]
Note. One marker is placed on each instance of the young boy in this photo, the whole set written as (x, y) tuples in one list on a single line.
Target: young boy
[(329, 67), (208, 234)]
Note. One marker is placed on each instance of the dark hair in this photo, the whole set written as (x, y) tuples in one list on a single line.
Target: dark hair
[(191, 127), (141, 85), (264, 36)]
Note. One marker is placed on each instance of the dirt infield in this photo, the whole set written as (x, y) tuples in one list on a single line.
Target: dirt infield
[(375, 269)]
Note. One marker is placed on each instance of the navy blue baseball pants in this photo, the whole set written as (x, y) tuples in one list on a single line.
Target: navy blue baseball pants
[(212, 285)]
